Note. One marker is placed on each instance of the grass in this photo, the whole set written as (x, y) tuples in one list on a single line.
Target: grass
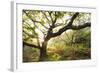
[(59, 53)]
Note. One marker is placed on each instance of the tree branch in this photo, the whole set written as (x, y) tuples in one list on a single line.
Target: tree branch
[(54, 21), (71, 27), (31, 17), (46, 16), (50, 15), (38, 42), (31, 35), (44, 26), (72, 19), (31, 45), (34, 21), (50, 30), (81, 26)]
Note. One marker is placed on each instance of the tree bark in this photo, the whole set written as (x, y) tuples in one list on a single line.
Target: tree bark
[(50, 34), (43, 51)]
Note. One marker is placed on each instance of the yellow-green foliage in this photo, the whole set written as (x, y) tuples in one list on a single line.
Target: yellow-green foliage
[(39, 28), (30, 55)]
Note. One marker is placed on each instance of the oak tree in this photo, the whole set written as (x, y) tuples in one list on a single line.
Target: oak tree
[(40, 26)]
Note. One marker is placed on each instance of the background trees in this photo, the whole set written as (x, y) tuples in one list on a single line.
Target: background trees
[(43, 29)]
